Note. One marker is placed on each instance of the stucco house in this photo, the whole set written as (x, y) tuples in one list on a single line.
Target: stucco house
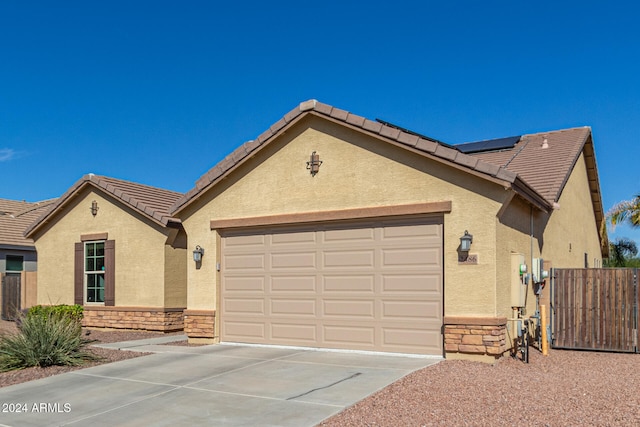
[(111, 246), (333, 230), (18, 258)]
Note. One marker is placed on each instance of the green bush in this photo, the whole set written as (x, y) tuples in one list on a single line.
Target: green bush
[(71, 311), (44, 340)]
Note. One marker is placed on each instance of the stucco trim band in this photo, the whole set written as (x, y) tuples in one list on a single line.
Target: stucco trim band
[(482, 321), (94, 236), (132, 308), (358, 213)]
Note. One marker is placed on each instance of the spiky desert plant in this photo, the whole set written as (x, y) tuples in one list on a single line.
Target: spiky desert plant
[(53, 339)]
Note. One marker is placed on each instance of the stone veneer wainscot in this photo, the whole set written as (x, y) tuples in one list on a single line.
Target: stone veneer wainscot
[(483, 336), (147, 318), (200, 324)]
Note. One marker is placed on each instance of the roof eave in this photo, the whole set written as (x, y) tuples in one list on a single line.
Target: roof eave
[(596, 195), (529, 194), (14, 247)]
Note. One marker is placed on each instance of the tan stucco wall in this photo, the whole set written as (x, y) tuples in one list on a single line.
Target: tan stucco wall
[(572, 231), (140, 256), (519, 228), (363, 172), (29, 289), (175, 271), (536, 234)]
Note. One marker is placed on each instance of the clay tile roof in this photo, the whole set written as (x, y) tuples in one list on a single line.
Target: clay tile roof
[(15, 217), (545, 166), (545, 162), (149, 201), (385, 131)]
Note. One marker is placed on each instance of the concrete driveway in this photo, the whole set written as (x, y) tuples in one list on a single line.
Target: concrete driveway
[(222, 385)]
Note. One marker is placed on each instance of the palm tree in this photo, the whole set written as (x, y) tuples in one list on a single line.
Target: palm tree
[(626, 210), (621, 251)]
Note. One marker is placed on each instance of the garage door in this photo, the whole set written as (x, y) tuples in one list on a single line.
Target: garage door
[(373, 286)]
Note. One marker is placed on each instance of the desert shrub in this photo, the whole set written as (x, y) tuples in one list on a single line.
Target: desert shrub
[(72, 311), (44, 340)]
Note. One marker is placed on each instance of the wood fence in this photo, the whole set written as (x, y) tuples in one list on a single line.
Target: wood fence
[(595, 309), (10, 296)]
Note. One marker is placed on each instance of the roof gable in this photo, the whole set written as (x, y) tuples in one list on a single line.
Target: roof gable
[(151, 202), (381, 130), (544, 160)]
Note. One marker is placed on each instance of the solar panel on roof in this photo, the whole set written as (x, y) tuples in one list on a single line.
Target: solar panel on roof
[(488, 145)]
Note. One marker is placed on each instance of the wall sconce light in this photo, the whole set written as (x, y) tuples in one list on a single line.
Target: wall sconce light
[(313, 165), (465, 241), (94, 208), (197, 254)]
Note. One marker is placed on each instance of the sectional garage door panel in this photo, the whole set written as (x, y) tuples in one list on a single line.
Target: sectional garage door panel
[(367, 286)]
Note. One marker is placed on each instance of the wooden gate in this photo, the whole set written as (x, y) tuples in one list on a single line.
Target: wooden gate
[(595, 309), (10, 296)]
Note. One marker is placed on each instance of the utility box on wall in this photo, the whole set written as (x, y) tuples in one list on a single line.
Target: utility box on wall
[(518, 281)]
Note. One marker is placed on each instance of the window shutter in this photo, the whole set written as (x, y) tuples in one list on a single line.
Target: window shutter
[(78, 279), (109, 273)]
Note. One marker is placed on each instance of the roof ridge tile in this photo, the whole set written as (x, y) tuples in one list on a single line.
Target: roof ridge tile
[(488, 168), (408, 139), (426, 145), (339, 114), (264, 136), (355, 119), (307, 105), (251, 145), (291, 115), (446, 152), (323, 108), (390, 132), (278, 125), (372, 126)]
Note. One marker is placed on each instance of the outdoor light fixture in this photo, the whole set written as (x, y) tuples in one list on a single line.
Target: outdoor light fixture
[(313, 165), (94, 208), (465, 241), (197, 254)]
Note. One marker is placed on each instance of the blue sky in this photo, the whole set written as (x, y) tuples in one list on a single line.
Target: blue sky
[(158, 92)]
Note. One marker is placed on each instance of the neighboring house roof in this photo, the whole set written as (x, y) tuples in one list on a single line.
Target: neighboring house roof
[(381, 130), (15, 217), (151, 202)]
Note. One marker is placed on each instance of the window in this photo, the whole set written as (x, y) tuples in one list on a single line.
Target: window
[(14, 263), (94, 271)]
